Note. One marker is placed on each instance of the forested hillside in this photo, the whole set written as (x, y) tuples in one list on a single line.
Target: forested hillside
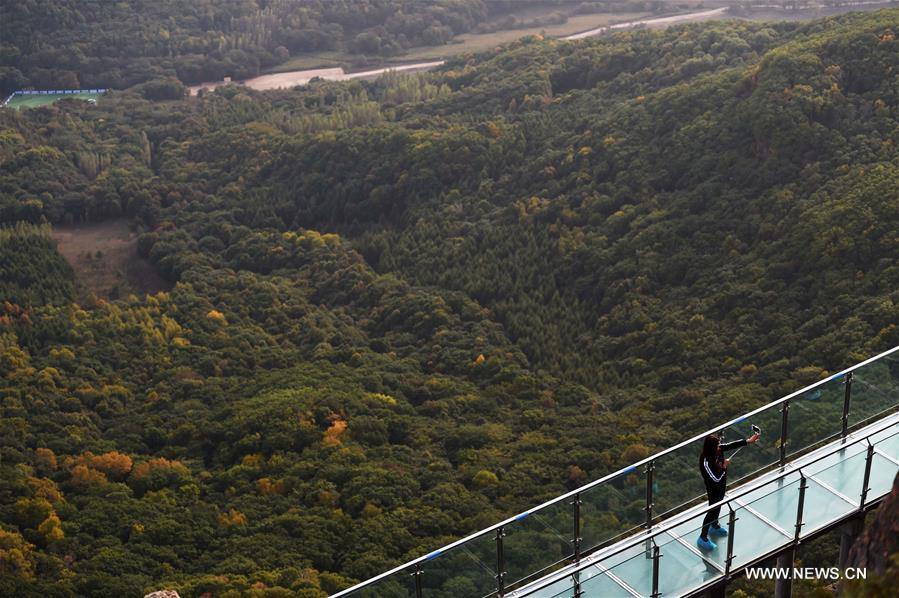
[(407, 308)]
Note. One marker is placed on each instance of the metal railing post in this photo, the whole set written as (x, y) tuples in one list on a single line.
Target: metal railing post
[(785, 414), (655, 570), (650, 467), (802, 486), (869, 458), (500, 563), (731, 521), (416, 575), (647, 507), (576, 505), (846, 398)]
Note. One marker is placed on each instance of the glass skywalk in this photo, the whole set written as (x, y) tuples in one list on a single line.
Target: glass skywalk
[(829, 483), (827, 452)]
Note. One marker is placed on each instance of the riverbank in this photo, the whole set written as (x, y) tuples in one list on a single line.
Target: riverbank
[(302, 77)]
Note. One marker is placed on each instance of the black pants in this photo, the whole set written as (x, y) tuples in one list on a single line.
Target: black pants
[(716, 494)]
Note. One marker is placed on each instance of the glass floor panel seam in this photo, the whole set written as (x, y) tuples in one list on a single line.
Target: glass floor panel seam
[(834, 491), (885, 455), (892, 441), (618, 580), (695, 551), (763, 518)]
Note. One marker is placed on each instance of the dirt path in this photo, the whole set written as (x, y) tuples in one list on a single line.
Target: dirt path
[(104, 257)]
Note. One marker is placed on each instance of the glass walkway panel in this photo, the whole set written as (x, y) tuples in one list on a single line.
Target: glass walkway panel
[(828, 452)]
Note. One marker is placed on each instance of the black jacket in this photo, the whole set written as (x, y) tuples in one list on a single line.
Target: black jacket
[(713, 473)]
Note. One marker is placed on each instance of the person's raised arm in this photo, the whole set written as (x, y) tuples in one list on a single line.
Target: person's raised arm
[(729, 446)]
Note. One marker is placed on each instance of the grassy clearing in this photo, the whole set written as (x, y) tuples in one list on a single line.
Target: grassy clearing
[(104, 257), (35, 101)]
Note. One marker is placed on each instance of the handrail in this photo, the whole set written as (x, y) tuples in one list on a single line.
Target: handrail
[(681, 518), (623, 471)]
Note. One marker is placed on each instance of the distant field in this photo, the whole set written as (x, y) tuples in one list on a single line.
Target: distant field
[(34, 101), (104, 257), (467, 42)]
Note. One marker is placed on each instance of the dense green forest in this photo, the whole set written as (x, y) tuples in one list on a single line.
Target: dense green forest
[(89, 43), (410, 307)]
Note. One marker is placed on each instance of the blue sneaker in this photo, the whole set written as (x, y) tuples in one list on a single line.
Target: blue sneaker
[(718, 531), (706, 544)]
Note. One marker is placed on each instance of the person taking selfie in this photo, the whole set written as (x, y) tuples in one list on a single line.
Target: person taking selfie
[(713, 466)]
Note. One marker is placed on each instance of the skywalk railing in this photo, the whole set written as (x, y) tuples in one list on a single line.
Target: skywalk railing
[(532, 544), (775, 513)]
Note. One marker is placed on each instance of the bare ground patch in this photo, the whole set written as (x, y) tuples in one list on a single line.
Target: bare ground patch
[(104, 257)]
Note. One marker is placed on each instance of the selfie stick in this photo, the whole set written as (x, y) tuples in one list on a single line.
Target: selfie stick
[(755, 430)]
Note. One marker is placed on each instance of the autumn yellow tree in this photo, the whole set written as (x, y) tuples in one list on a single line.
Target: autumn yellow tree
[(17, 558), (115, 465)]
